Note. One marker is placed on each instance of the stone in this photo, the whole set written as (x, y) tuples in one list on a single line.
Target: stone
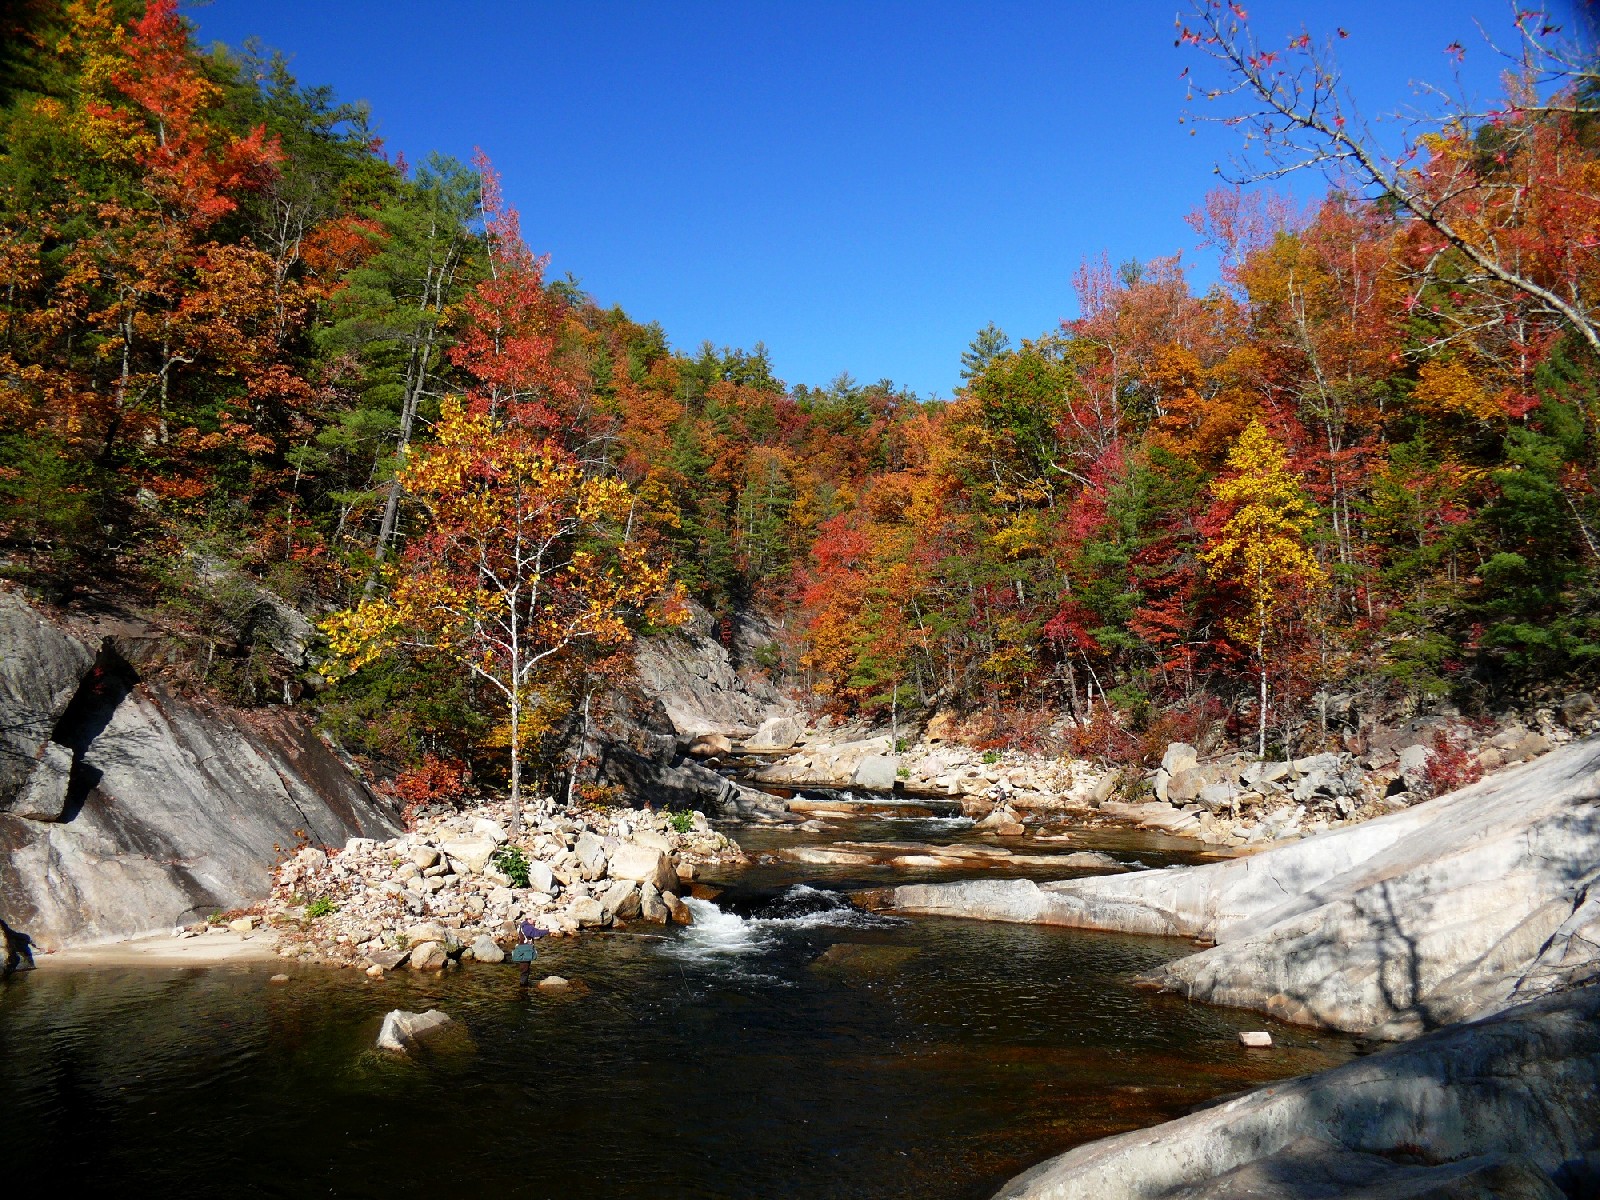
[(1578, 710), (620, 901), (651, 907), (44, 796), (386, 960), (428, 956), (591, 852), (486, 950), (649, 837), (677, 909), (279, 979), (244, 924), (644, 864), (711, 745), (554, 983), (776, 733), (423, 857), (402, 1031), (375, 971), (1530, 745), (588, 913), (426, 931), (540, 877), (484, 827), (1255, 1038), (1179, 757), (1185, 786), (1413, 764), (471, 853), (877, 772)]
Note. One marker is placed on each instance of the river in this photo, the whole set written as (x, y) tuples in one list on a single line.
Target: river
[(785, 1045)]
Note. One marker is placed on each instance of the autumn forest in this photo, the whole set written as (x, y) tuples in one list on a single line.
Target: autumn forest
[(241, 341)]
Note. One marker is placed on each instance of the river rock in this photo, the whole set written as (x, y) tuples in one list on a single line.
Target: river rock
[(1184, 787), (619, 902), (403, 1030), (1256, 1039), (677, 909), (472, 853), (429, 956), (711, 745), (776, 733), (486, 950), (591, 852), (651, 907), (876, 771), (554, 983), (385, 960), (424, 857), (540, 877), (485, 828), (1180, 757), (645, 864), (588, 913)]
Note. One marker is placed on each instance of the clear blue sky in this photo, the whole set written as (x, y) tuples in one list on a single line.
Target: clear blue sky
[(860, 185)]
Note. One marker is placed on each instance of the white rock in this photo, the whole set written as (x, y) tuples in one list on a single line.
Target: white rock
[(486, 950), (484, 827), (644, 864), (876, 771), (1255, 1037), (402, 1030), (471, 853)]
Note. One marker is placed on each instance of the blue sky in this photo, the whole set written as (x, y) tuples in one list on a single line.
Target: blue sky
[(860, 185)]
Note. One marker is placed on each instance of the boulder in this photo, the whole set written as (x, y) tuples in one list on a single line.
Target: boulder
[(426, 931), (385, 960), (1258, 1039), (649, 837), (484, 827), (776, 733), (619, 902), (472, 853), (429, 956), (711, 745), (589, 913), (423, 857), (1180, 757), (1184, 787), (591, 852), (486, 950), (1578, 710), (554, 983), (644, 864), (677, 909), (651, 907), (876, 771), (404, 1030), (540, 877)]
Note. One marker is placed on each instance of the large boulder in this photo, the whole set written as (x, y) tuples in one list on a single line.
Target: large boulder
[(776, 733), (472, 853), (591, 852), (429, 956), (1180, 757), (644, 864), (619, 902), (486, 950), (404, 1030), (876, 771)]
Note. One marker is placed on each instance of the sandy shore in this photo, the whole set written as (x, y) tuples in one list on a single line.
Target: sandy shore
[(164, 950)]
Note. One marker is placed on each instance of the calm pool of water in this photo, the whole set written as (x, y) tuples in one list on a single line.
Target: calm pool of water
[(739, 1058)]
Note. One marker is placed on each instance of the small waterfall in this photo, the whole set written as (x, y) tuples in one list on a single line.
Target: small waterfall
[(717, 932)]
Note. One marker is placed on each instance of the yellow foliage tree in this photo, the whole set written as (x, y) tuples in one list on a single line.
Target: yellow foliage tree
[(1262, 546), (524, 558)]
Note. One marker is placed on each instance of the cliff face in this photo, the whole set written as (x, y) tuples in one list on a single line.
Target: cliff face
[(126, 807), (706, 687)]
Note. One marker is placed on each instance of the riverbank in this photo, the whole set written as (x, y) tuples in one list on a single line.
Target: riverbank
[(1465, 922), (213, 948)]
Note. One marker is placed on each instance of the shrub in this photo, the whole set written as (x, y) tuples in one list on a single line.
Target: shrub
[(1452, 762), (321, 907), (681, 822), (513, 863)]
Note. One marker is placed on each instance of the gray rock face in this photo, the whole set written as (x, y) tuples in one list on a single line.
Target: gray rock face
[(702, 686), (1450, 909), (1496, 1108), (127, 808)]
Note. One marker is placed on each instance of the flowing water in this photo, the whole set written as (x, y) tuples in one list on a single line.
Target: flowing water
[(786, 1045)]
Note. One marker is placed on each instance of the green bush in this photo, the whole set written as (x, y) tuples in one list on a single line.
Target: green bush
[(513, 863), (321, 907), (681, 822)]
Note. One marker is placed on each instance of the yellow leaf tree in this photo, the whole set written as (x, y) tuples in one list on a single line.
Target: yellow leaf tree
[(523, 560), (1262, 546)]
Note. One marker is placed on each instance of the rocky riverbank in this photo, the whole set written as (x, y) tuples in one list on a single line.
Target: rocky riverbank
[(458, 884), (1224, 799)]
